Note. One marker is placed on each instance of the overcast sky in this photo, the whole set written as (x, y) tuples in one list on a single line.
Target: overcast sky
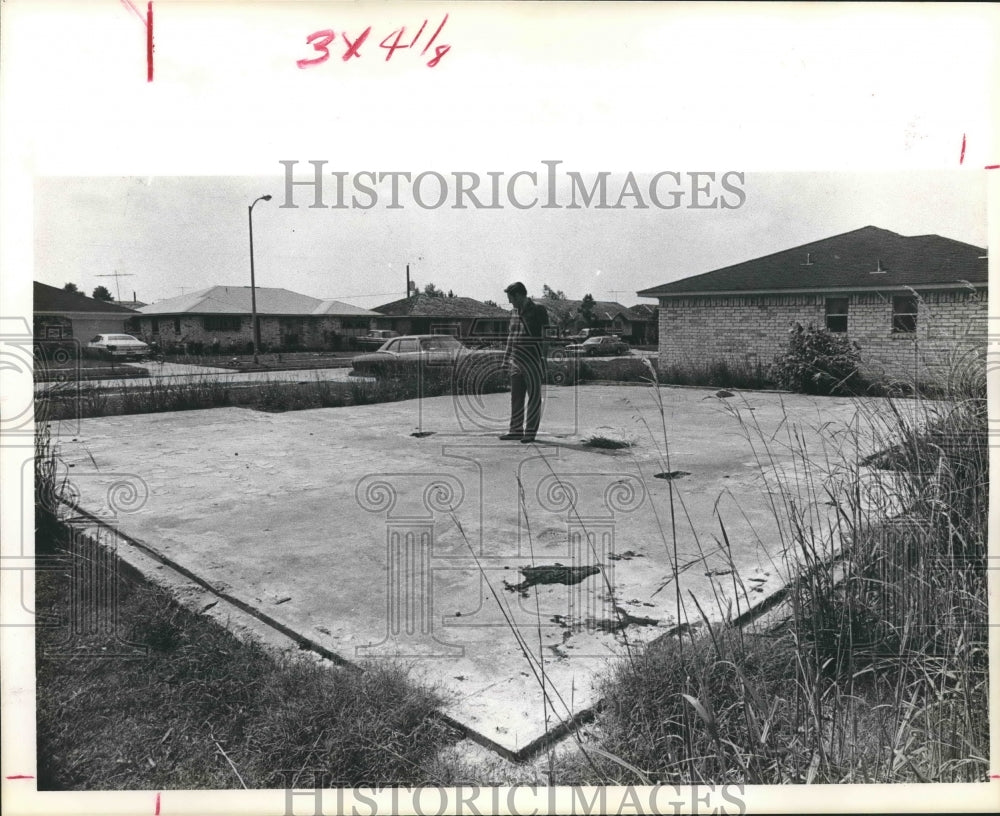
[(172, 235)]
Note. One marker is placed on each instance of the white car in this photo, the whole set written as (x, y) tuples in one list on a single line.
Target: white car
[(117, 347)]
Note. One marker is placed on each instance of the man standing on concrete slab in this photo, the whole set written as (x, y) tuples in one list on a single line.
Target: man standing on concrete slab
[(525, 359)]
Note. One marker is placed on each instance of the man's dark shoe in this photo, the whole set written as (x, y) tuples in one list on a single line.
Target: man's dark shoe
[(526, 439), (507, 437)]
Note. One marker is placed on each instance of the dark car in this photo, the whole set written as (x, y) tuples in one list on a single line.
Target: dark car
[(585, 334), (606, 346), (375, 339), (432, 350)]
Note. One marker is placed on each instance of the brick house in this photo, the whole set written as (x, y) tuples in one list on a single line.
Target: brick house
[(465, 318), (65, 316), (916, 305), (219, 317)]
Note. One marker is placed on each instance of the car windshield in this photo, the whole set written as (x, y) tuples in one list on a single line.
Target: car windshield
[(593, 341), (444, 342), (120, 337)]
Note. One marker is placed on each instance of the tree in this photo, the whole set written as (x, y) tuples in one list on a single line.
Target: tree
[(587, 309), (102, 293), (552, 294), (432, 291), (450, 293), (71, 287), (491, 303)]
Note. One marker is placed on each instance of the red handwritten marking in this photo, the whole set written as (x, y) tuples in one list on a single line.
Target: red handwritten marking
[(413, 42), (157, 811), (352, 47), (961, 157), (326, 36), (321, 40), (149, 41), (20, 776), (429, 44), (128, 4), (992, 167)]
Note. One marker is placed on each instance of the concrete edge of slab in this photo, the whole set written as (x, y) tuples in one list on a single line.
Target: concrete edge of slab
[(241, 618)]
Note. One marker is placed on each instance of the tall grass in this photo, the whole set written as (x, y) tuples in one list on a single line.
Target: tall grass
[(874, 669)]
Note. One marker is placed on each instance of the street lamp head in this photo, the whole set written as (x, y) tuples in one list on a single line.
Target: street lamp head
[(266, 197)]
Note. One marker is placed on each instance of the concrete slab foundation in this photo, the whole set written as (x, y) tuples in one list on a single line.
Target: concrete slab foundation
[(409, 531)]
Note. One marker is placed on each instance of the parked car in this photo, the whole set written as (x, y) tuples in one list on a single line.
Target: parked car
[(585, 334), (606, 346), (117, 347), (375, 339), (427, 349)]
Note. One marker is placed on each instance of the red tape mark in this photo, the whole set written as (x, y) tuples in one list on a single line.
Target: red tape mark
[(992, 167), (20, 776), (157, 811), (961, 157), (147, 21)]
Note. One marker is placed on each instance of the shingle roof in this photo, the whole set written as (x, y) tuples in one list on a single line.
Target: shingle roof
[(49, 299), (426, 306), (851, 260), (235, 300), (603, 309), (335, 307)]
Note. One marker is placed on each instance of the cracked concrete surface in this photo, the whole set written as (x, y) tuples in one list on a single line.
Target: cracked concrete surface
[(342, 526)]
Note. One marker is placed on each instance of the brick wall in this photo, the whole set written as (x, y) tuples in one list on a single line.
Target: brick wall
[(951, 325), (313, 332)]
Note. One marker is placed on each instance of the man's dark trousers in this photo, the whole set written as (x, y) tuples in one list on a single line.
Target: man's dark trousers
[(526, 380)]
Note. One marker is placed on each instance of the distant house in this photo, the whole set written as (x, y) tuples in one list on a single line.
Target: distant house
[(62, 315), (220, 316), (461, 317), (914, 304), (607, 314)]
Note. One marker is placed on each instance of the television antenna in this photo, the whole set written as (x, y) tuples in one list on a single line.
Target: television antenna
[(116, 275)]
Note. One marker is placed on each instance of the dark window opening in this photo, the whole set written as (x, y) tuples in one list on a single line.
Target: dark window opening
[(223, 323), (836, 314), (177, 325), (904, 314)]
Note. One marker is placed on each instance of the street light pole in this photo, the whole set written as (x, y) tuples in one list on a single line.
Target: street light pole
[(254, 334)]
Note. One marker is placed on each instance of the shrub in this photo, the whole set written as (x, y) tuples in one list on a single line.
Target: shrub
[(818, 362)]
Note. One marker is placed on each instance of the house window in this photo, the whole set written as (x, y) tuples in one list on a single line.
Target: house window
[(836, 314), (223, 323), (904, 314), (155, 325), (177, 325)]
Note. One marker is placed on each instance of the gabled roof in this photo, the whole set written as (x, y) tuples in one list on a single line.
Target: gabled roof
[(866, 258), (446, 307), (603, 309), (335, 307), (235, 300), (642, 311), (49, 299)]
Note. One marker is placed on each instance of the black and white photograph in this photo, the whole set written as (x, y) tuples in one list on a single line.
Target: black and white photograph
[(499, 408)]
